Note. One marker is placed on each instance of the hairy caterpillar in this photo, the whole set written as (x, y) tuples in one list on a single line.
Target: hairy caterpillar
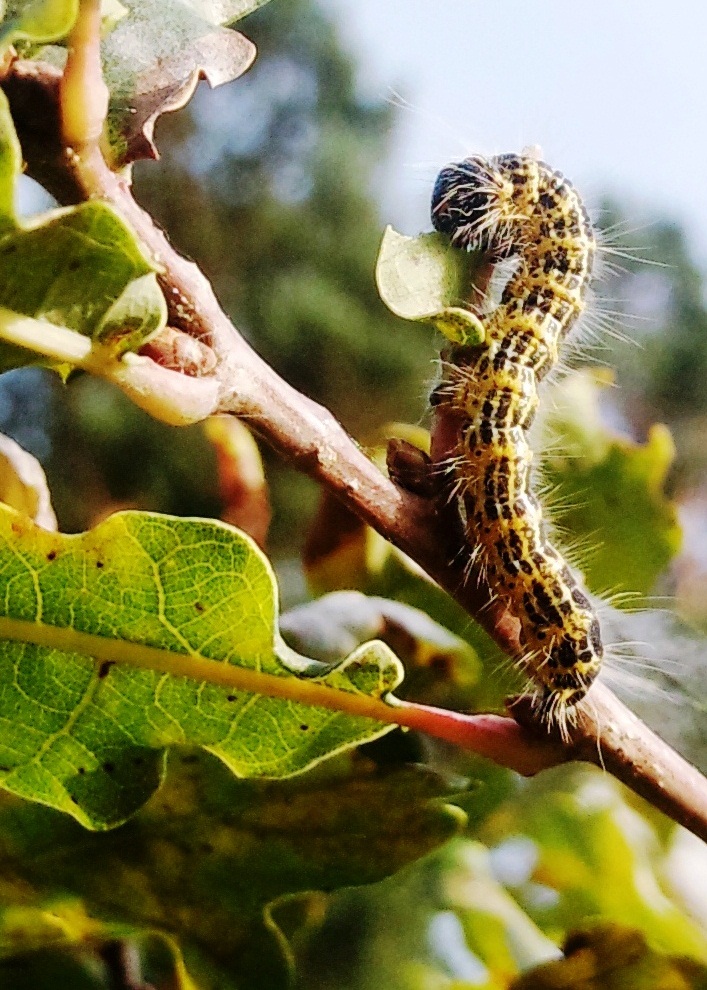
[(517, 207)]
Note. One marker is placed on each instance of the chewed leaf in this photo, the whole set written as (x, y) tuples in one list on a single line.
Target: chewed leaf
[(154, 54), (81, 268), (151, 631), (155, 57), (36, 21), (459, 326), (424, 278)]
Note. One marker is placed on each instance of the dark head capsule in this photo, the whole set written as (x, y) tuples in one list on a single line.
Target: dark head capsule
[(465, 200)]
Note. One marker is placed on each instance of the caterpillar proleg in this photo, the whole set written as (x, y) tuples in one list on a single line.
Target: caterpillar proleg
[(516, 207)]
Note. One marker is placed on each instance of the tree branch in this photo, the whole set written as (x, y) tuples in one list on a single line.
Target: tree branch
[(305, 433)]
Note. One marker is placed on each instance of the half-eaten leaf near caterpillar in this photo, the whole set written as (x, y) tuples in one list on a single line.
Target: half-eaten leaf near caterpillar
[(516, 207)]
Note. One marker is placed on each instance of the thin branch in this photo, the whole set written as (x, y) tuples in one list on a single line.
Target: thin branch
[(607, 734)]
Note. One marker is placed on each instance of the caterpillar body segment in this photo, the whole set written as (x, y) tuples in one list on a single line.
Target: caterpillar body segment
[(516, 206)]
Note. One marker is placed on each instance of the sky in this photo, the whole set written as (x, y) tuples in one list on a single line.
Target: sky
[(614, 93)]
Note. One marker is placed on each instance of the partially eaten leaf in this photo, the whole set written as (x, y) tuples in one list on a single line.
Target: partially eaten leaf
[(36, 21), (425, 278), (155, 57)]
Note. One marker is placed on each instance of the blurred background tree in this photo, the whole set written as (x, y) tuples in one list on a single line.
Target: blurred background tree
[(661, 361), (279, 177)]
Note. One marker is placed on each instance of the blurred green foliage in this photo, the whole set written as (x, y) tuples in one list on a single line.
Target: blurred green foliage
[(206, 855), (661, 361)]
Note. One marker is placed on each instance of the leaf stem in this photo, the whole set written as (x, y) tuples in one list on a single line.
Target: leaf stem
[(57, 343), (84, 95), (492, 736), (167, 395)]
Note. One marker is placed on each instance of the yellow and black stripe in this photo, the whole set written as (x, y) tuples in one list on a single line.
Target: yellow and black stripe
[(515, 206)]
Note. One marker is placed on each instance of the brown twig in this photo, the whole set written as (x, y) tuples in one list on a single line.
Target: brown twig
[(607, 734)]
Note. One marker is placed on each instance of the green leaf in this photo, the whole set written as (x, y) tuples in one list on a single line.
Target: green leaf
[(37, 21), (424, 278), (613, 490), (59, 944), (80, 268), (437, 921), (118, 642), (154, 58), (206, 855)]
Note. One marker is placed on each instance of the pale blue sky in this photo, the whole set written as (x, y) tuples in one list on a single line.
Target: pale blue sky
[(614, 92)]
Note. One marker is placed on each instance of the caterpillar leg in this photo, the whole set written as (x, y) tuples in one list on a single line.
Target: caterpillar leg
[(411, 468)]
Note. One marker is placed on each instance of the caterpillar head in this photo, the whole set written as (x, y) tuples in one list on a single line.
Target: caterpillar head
[(468, 204)]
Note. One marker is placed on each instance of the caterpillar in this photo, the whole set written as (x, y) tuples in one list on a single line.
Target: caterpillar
[(513, 206)]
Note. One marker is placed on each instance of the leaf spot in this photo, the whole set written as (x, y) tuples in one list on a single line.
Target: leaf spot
[(51, 555), (104, 669), (199, 606)]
